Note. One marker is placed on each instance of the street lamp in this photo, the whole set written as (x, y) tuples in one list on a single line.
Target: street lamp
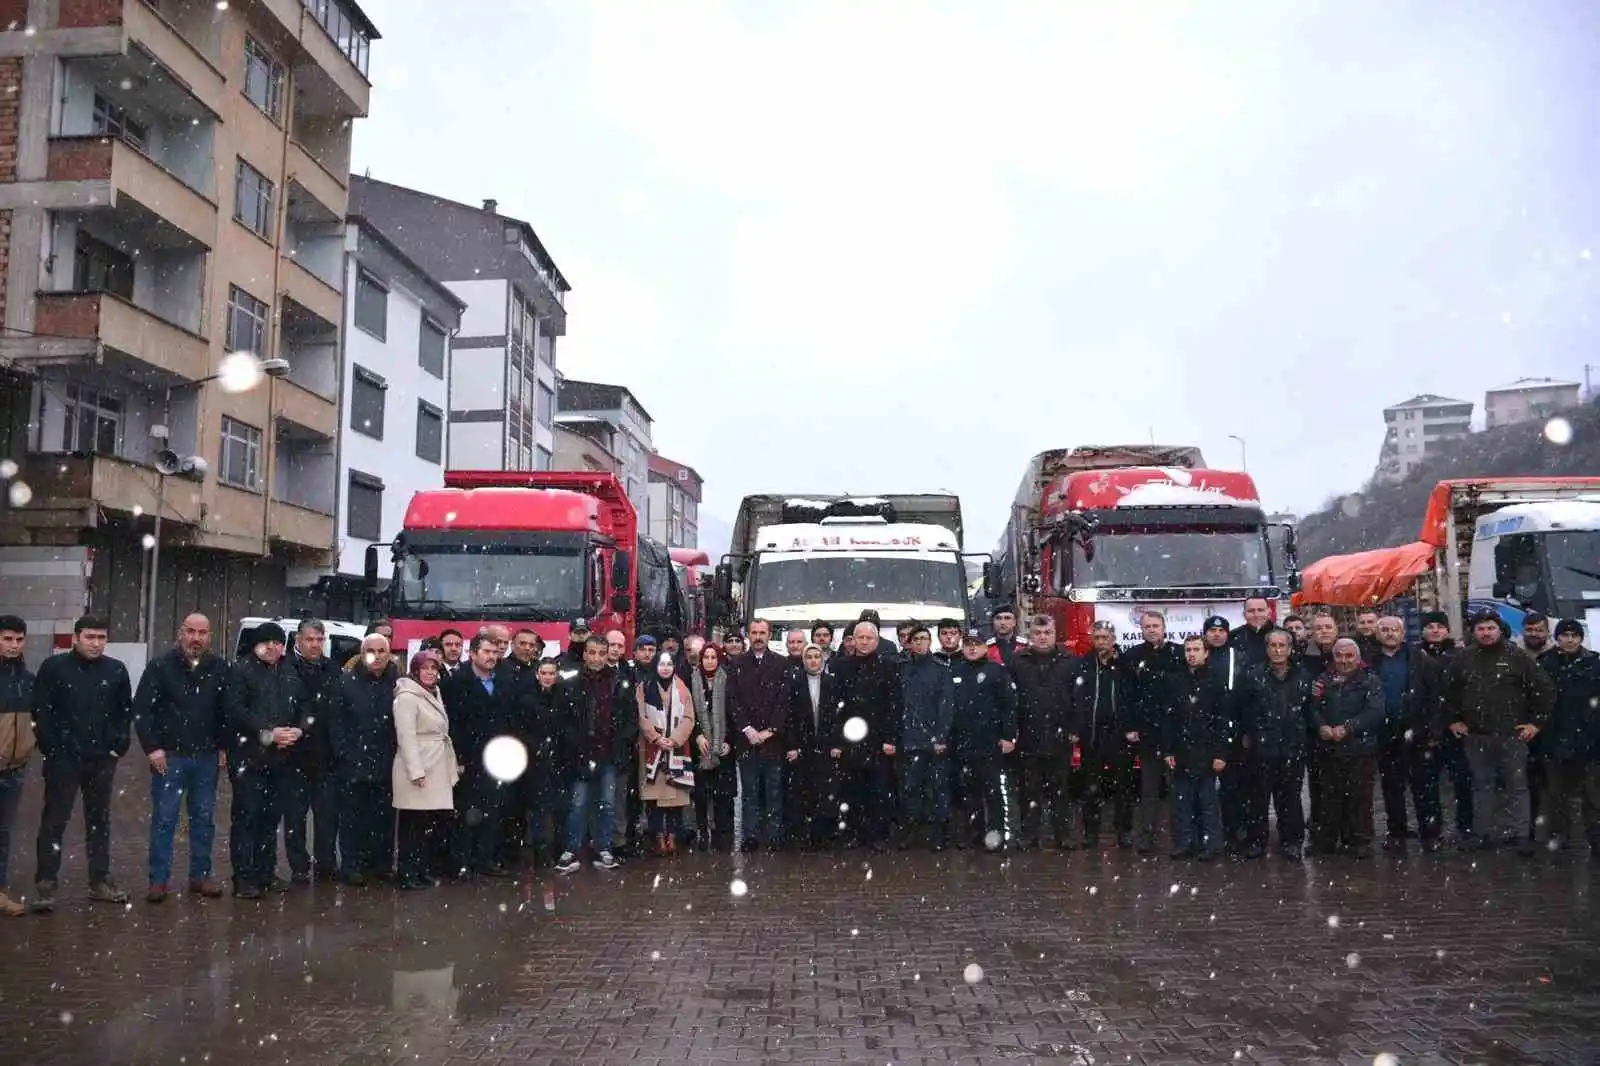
[(1243, 463), (241, 372)]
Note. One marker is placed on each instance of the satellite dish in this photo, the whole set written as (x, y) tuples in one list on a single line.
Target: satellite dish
[(167, 461)]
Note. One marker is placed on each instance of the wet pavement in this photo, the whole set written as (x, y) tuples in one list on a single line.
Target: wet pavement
[(899, 958)]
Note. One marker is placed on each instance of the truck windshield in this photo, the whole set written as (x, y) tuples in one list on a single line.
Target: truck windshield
[(532, 579), (1232, 559), (1574, 559), (835, 578)]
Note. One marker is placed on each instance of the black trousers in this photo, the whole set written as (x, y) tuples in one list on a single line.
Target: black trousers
[(1346, 783), (1107, 773), (64, 778), (1412, 768), (366, 833), (1276, 784), (302, 798), (1239, 786), (1041, 794), (424, 843), (811, 800), (253, 828), (714, 793), (480, 806), (869, 788), (986, 800)]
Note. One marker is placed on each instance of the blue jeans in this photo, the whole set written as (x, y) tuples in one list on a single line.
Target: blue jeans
[(1196, 812), (10, 796), (761, 782), (192, 778), (598, 791)]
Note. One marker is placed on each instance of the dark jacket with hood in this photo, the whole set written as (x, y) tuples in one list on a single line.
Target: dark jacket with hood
[(82, 708), (361, 727), (982, 708), (925, 720), (1045, 689), (1494, 689), (1356, 703), (179, 708)]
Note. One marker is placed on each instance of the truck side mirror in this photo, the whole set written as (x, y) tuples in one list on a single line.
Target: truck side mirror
[(991, 582), (1294, 581), (1502, 590), (369, 573), (724, 582), (619, 570)]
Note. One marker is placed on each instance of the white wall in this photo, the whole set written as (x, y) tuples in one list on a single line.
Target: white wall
[(478, 379), (477, 445), (394, 458), (485, 315)]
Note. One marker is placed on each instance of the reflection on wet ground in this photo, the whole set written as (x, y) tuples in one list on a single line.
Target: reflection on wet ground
[(960, 957)]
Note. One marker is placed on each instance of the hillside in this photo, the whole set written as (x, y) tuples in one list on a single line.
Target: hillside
[(1382, 516)]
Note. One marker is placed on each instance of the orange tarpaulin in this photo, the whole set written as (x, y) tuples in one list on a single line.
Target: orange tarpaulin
[(1365, 578)]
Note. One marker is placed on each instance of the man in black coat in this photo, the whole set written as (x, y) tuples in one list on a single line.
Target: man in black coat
[(599, 742), (1195, 741), (482, 704), (1347, 714), (363, 743), (183, 729), (313, 788), (82, 708), (1046, 677), (983, 715), (815, 743), (1156, 666), (1409, 757), (1572, 743), (266, 718), (1105, 713), (869, 685), (1274, 719), (758, 704)]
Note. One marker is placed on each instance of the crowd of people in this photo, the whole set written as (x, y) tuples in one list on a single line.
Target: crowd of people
[(478, 755)]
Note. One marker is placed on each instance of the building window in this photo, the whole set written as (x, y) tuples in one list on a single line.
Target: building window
[(252, 200), (98, 267), (372, 305), (366, 403), (364, 506), (93, 422), (430, 348), (263, 79), (247, 322), (547, 405), (110, 120), (241, 454), (430, 432)]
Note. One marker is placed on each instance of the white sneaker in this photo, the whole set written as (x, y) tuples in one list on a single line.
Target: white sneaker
[(567, 863), (606, 861)]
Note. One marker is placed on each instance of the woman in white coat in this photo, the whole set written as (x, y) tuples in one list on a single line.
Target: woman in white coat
[(425, 773)]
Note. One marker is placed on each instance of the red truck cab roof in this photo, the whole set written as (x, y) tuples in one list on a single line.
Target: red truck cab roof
[(1148, 486), (606, 508), (503, 508)]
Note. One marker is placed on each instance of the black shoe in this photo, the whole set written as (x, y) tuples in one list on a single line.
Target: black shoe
[(1292, 854), (1209, 855), (499, 873), (327, 875), (1394, 843), (1125, 840), (750, 844), (1527, 848), (1146, 845), (1253, 851), (44, 898), (247, 892), (277, 884), (1181, 853), (107, 891), (1431, 844), (1090, 842), (300, 877), (1361, 851), (355, 879), (878, 847)]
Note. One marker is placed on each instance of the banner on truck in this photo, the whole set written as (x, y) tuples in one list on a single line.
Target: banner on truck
[(1184, 620)]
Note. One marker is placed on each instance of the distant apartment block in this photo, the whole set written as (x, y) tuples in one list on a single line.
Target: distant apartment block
[(1416, 429), (173, 189), (503, 361), (1526, 399), (675, 492), (588, 444), (585, 400)]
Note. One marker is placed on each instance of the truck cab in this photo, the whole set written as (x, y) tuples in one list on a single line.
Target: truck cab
[(1542, 556)]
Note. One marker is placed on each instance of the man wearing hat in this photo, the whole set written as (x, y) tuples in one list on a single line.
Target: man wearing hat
[(266, 714), (1004, 645), (572, 656), (1227, 665), (1439, 645), (1572, 744), (1497, 699), (1535, 640), (983, 717)]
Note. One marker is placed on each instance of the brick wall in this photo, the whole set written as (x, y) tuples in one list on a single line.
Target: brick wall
[(76, 13), (78, 159), (10, 105), (68, 314), (13, 14)]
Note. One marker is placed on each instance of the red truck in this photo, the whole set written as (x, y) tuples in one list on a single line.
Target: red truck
[(1102, 533), (528, 549)]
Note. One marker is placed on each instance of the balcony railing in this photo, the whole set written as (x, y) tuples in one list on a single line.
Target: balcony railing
[(126, 327), (133, 174)]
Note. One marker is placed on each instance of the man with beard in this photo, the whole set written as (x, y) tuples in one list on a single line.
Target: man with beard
[(314, 789), (266, 715), (1409, 756), (869, 686)]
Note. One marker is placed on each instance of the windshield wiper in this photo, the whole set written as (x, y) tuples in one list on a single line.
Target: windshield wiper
[(1579, 570), (536, 612)]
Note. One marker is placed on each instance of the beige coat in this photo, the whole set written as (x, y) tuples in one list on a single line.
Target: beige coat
[(422, 731), (662, 792)]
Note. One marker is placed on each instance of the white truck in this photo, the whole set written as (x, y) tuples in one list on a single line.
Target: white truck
[(795, 560)]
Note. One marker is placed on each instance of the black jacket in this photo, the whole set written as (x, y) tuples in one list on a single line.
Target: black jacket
[(1104, 702), (1197, 726), (17, 739), (758, 696), (1156, 671), (1045, 688), (1274, 712), (1356, 704), (478, 716), (319, 680), (1574, 731), (361, 729), (1251, 643), (982, 708), (587, 701), (260, 698), (822, 733), (869, 687), (1422, 706), (541, 711), (82, 708), (1495, 689), (179, 709)]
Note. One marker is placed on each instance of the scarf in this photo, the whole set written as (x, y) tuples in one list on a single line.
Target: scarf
[(665, 703)]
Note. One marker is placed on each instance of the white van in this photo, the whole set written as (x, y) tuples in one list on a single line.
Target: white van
[(344, 638)]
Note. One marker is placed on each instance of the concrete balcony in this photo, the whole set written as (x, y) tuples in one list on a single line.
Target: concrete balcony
[(301, 527), (304, 408), (326, 187), (311, 292), (136, 342), (74, 491), (145, 30), (94, 171)]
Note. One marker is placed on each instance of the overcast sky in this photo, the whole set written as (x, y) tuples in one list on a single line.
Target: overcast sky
[(899, 247)]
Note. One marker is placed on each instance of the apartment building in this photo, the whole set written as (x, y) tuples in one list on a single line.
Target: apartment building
[(503, 360), (586, 444), (1526, 399), (580, 401), (675, 492), (173, 188), (1417, 428), (398, 321)]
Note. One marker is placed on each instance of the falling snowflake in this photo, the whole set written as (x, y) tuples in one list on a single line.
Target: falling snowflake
[(505, 758), (855, 730), (1386, 1058), (1558, 431), (1333, 921), (239, 372), (973, 973), (19, 494), (738, 888), (8, 468), (148, 541), (1352, 960)]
